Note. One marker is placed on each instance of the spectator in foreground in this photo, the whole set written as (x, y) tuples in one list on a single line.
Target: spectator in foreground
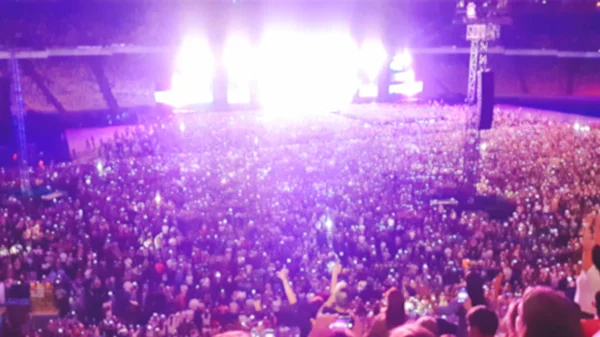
[(303, 310), (476, 297), (588, 282), (547, 313), (391, 317), (430, 324), (410, 330), (475, 290), (482, 322), (236, 333), (509, 321), (325, 326), (592, 326)]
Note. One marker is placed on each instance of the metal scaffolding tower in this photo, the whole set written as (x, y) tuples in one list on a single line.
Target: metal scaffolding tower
[(479, 35), (18, 115)]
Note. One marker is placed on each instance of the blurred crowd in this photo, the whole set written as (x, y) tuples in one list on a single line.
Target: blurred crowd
[(205, 223)]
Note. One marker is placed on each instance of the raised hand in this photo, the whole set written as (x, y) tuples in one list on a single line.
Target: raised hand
[(337, 269), (587, 241), (283, 274)]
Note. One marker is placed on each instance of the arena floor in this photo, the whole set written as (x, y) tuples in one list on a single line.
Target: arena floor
[(402, 116)]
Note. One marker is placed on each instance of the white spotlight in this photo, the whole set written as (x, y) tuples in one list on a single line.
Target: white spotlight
[(281, 68), (401, 61), (192, 82), (338, 70), (237, 54), (471, 11), (315, 70), (238, 59), (372, 58)]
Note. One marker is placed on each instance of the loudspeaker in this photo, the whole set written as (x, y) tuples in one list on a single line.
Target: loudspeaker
[(486, 99)]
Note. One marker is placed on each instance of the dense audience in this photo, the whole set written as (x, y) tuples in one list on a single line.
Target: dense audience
[(246, 221)]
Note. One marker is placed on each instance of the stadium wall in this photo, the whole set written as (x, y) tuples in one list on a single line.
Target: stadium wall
[(133, 79), (445, 75)]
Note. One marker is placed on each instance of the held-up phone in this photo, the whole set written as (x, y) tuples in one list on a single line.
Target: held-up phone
[(462, 295), (342, 322)]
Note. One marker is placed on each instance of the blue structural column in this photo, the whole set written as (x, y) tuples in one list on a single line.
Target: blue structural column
[(17, 110)]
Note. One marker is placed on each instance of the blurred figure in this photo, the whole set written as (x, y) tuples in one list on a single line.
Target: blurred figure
[(429, 323), (546, 313), (509, 321), (236, 333), (410, 330), (303, 310), (588, 281), (475, 289), (392, 316), (325, 326), (592, 326), (339, 301), (476, 297), (482, 322)]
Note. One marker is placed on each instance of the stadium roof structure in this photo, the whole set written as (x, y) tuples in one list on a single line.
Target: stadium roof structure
[(82, 51), (132, 49)]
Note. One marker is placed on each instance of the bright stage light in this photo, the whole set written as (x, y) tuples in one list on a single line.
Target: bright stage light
[(331, 68), (407, 89), (404, 76), (237, 54), (271, 69), (309, 72), (195, 56), (368, 91), (342, 66), (372, 58), (192, 81), (403, 79), (238, 59), (282, 59), (401, 61), (471, 11)]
